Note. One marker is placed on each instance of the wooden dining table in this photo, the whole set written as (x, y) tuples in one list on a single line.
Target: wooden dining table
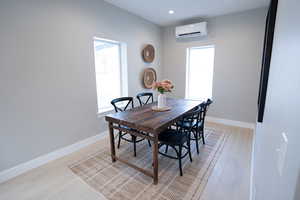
[(141, 120)]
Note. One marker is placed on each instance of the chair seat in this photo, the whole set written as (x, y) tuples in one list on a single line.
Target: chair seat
[(125, 127), (130, 129), (172, 137), (186, 124)]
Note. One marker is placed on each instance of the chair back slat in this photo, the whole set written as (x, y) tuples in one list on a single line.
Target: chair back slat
[(145, 98), (127, 100)]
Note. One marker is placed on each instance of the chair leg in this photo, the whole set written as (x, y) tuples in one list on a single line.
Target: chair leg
[(166, 150), (203, 137), (189, 149), (134, 144), (179, 158), (119, 141), (149, 143), (197, 141)]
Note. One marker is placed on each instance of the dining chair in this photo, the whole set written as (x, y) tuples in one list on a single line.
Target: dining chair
[(205, 107), (145, 98), (196, 126), (120, 105), (208, 102), (178, 139)]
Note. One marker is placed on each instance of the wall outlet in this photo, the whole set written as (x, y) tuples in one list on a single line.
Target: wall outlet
[(282, 150)]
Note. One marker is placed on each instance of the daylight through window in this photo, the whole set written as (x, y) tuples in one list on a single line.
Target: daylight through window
[(199, 72), (110, 72)]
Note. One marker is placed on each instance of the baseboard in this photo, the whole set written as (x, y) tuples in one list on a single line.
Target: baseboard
[(231, 122), (24, 167)]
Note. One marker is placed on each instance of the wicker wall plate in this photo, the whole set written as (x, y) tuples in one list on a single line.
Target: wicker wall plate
[(149, 77), (148, 53)]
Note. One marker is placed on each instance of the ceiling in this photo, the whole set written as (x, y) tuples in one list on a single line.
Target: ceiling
[(156, 11)]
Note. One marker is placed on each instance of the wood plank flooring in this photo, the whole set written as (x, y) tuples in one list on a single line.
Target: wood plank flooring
[(230, 179)]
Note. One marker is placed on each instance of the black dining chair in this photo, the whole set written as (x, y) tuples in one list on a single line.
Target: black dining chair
[(197, 128), (178, 139), (204, 109), (120, 105), (208, 102), (145, 98)]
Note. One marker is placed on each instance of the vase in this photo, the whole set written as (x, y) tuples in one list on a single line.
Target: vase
[(161, 101)]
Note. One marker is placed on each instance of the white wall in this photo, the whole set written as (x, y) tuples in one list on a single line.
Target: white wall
[(238, 40), (281, 112), (47, 80)]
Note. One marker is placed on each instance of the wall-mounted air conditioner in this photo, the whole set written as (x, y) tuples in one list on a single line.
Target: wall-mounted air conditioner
[(191, 30)]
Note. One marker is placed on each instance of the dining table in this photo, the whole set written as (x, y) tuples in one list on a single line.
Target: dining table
[(141, 120)]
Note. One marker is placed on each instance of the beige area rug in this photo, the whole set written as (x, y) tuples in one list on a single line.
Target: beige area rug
[(118, 181)]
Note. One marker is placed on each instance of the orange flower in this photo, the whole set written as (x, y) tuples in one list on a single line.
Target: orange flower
[(163, 86)]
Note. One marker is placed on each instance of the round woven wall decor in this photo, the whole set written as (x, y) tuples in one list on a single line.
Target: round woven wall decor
[(148, 53), (149, 77)]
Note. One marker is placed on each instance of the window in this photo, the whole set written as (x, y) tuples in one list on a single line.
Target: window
[(199, 72), (111, 72)]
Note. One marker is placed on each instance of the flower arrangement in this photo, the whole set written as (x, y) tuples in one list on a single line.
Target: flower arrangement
[(163, 86)]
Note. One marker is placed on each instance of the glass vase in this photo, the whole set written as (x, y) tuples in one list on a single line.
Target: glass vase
[(162, 101)]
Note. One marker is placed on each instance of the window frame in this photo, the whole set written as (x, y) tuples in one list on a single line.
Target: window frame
[(187, 85), (123, 71)]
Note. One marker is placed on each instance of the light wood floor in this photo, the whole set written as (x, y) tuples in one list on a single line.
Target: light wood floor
[(229, 180)]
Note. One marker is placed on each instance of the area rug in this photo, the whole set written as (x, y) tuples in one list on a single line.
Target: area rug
[(118, 181)]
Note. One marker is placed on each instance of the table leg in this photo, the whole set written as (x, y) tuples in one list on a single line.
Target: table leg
[(112, 142), (155, 160)]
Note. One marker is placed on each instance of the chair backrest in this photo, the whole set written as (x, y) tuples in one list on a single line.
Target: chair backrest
[(121, 104), (207, 104), (145, 98), (194, 116), (205, 107), (192, 119), (201, 110)]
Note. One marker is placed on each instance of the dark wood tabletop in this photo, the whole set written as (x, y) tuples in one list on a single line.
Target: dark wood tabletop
[(145, 119)]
